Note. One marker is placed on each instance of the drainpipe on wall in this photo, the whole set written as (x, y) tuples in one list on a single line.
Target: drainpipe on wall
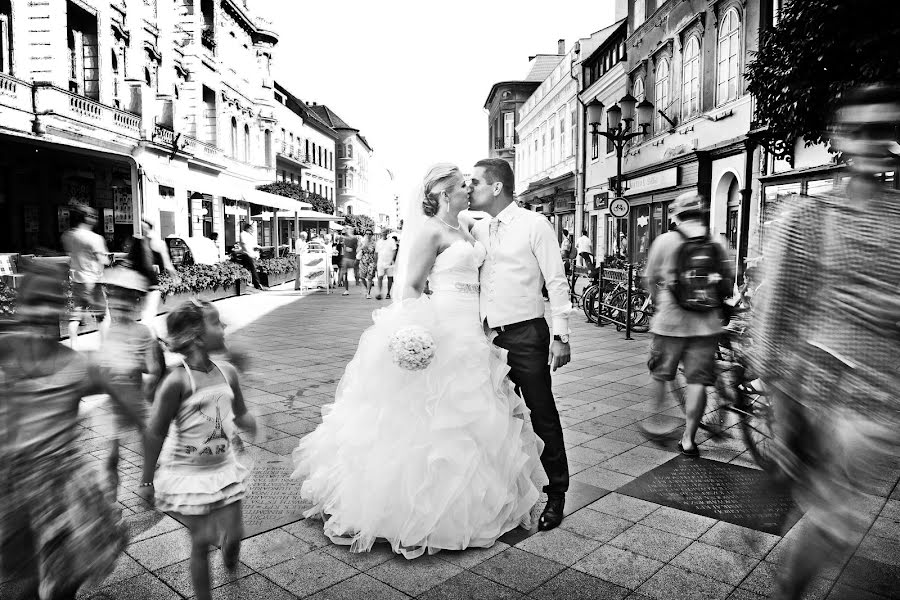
[(581, 148)]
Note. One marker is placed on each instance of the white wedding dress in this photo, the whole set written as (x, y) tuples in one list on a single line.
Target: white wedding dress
[(439, 459)]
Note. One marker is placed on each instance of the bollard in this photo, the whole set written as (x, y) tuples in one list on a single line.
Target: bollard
[(628, 301), (600, 297)]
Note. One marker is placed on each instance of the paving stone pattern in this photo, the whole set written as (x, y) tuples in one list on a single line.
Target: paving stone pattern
[(615, 547)]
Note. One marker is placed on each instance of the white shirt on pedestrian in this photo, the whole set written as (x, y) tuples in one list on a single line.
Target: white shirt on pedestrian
[(385, 250), (87, 254), (248, 244), (584, 245), (523, 255)]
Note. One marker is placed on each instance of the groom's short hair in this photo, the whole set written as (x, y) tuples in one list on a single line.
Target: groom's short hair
[(497, 169)]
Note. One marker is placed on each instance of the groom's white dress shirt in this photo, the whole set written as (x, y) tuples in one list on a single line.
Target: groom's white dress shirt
[(522, 255)]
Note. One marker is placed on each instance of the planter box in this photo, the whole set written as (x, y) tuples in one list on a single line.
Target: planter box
[(273, 279), (173, 300)]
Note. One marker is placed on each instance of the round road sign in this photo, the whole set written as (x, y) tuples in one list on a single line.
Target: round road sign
[(619, 208)]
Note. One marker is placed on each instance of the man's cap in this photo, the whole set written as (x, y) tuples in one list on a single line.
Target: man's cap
[(688, 202)]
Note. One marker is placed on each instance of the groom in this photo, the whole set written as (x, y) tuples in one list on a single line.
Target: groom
[(523, 255)]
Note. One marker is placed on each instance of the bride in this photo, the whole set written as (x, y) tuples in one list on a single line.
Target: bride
[(443, 458)]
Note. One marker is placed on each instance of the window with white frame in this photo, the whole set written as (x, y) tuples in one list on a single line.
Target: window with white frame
[(536, 156), (728, 55), (640, 12), (563, 150), (545, 158), (573, 123), (661, 93), (552, 139), (509, 129), (690, 95), (637, 90)]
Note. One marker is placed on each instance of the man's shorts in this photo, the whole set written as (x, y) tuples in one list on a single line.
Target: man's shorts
[(348, 263), (382, 270), (697, 354), (89, 299)]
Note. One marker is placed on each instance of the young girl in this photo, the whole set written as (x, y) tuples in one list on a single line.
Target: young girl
[(199, 477), (130, 357)]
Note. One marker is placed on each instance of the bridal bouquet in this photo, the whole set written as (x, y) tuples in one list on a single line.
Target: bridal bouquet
[(412, 348)]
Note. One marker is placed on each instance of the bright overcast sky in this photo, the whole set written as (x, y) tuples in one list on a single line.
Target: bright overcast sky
[(413, 76)]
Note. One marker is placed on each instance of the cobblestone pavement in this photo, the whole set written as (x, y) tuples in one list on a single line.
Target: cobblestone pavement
[(616, 547)]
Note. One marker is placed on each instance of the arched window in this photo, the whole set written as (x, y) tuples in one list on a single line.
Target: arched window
[(637, 90), (690, 95), (661, 95), (234, 137), (246, 143), (349, 150), (267, 140), (116, 83), (728, 55)]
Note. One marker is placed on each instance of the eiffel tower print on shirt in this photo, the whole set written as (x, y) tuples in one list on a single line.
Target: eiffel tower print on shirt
[(218, 432)]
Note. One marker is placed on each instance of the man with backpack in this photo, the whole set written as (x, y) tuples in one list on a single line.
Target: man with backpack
[(688, 277)]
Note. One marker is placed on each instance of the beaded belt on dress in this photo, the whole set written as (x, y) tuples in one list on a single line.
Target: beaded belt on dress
[(466, 288)]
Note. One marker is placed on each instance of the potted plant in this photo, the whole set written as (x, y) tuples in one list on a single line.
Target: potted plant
[(275, 271)]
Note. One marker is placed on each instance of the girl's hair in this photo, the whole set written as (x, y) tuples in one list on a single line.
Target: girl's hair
[(436, 181), (186, 324)]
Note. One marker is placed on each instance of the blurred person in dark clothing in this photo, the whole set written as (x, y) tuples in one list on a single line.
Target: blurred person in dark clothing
[(828, 336), (58, 529), (149, 256)]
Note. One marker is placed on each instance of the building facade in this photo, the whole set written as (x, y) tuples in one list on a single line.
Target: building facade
[(353, 154), (687, 57), (163, 108), (503, 104), (547, 130)]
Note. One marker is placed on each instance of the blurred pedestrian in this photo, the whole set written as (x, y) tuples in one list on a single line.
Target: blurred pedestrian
[(149, 256), (385, 251), (585, 250), (87, 258), (249, 254), (566, 250), (301, 247), (199, 477), (368, 261), (349, 245), (828, 338), (59, 531), (130, 356), (689, 277)]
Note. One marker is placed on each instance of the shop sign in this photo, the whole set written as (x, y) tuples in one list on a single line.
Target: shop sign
[(601, 201), (652, 181), (564, 203), (315, 269), (122, 207), (619, 208), (109, 224)]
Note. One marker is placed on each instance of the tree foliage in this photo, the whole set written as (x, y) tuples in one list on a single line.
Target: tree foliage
[(296, 192), (819, 49), (359, 222)]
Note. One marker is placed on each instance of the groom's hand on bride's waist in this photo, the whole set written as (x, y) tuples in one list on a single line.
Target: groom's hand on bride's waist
[(560, 355)]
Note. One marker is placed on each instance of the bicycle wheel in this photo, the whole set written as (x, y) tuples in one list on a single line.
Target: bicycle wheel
[(757, 417), (590, 303), (616, 309), (640, 316)]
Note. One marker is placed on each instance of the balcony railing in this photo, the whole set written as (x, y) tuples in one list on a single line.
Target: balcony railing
[(15, 93), (53, 100), (503, 143)]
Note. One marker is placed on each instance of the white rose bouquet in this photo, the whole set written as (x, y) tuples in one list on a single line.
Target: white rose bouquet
[(412, 348)]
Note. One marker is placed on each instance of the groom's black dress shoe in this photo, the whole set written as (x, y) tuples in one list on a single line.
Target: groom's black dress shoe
[(553, 513)]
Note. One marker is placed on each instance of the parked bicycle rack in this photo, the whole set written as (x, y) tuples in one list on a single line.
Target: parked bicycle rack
[(616, 276)]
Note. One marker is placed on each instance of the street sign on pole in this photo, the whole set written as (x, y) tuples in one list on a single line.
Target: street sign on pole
[(619, 208)]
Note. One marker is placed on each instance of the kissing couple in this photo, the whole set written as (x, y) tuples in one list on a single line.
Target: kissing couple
[(449, 454)]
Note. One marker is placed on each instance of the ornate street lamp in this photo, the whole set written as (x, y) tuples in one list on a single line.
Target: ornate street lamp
[(619, 118)]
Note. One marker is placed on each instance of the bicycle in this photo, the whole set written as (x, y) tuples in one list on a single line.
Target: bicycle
[(614, 295)]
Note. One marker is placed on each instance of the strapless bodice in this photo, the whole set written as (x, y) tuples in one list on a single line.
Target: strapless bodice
[(456, 268)]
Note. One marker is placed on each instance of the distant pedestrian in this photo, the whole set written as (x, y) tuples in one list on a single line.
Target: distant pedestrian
[(385, 250), (349, 245), (566, 250), (249, 253), (130, 357), (367, 261), (149, 256), (585, 250), (59, 530), (688, 316), (199, 477), (87, 258), (301, 247)]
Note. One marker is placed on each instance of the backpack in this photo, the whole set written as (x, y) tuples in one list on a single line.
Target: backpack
[(700, 285)]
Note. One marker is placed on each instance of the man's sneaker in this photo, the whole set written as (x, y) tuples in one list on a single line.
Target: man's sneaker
[(388, 297), (345, 293), (378, 297)]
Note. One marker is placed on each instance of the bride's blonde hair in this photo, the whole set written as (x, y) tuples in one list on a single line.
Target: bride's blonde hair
[(435, 182)]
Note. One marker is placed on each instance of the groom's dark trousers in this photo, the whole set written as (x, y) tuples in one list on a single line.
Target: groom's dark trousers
[(528, 345)]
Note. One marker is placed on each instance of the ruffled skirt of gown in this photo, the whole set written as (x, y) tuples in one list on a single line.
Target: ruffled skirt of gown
[(439, 459)]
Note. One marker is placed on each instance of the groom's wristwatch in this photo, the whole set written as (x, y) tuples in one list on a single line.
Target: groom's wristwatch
[(562, 338)]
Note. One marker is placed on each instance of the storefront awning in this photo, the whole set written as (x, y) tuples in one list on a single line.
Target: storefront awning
[(309, 215), (266, 199), (548, 187)]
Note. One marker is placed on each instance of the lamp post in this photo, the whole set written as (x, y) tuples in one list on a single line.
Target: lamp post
[(619, 118)]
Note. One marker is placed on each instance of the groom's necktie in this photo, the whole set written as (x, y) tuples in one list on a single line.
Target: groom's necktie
[(494, 232)]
